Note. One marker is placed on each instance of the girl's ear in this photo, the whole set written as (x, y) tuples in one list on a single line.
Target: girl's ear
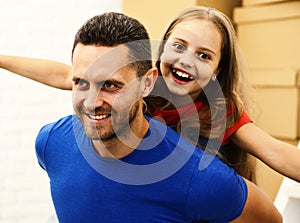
[(148, 81)]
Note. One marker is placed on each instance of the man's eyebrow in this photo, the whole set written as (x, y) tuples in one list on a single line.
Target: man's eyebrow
[(113, 81), (100, 83), (76, 78)]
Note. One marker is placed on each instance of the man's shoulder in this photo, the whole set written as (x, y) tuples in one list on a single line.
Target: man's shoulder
[(63, 125), (220, 185), (211, 181), (208, 164)]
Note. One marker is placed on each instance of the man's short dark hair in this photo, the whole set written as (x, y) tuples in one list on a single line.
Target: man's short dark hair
[(112, 29)]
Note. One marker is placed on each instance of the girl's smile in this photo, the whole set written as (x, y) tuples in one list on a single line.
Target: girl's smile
[(181, 77)]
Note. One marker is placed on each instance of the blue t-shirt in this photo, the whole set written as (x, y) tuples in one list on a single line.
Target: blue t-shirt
[(165, 179)]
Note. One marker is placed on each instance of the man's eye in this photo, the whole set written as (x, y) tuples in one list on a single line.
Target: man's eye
[(179, 47), (79, 83), (109, 86)]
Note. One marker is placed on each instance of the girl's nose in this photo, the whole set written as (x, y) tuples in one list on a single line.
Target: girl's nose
[(187, 60)]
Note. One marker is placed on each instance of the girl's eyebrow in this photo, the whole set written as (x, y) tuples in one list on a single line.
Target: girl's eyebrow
[(207, 49), (179, 39), (199, 48)]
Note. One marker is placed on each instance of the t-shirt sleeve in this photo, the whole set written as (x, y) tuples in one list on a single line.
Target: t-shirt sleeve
[(244, 119), (40, 145), (217, 194)]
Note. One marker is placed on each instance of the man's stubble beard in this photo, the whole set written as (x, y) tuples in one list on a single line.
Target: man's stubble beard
[(120, 129)]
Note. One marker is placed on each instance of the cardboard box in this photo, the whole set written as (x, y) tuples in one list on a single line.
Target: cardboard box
[(259, 2), (277, 94), (269, 37)]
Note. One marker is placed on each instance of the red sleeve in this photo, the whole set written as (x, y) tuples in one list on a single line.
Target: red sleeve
[(244, 119)]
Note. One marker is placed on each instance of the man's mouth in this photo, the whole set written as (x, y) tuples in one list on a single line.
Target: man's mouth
[(98, 117), (181, 76)]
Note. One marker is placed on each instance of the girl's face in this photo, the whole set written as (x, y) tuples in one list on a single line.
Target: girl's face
[(191, 57)]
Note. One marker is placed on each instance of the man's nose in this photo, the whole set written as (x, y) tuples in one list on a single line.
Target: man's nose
[(94, 99)]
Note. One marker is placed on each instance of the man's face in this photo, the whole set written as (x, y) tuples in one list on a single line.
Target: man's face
[(106, 91)]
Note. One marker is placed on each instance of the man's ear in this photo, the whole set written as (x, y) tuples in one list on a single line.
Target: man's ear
[(148, 81)]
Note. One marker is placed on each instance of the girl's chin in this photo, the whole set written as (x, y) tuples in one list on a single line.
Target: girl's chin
[(175, 86), (183, 92), (178, 90)]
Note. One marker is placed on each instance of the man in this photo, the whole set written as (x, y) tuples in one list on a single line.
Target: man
[(110, 163)]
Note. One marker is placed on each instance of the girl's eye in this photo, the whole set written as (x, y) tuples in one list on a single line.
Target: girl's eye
[(179, 47), (204, 56)]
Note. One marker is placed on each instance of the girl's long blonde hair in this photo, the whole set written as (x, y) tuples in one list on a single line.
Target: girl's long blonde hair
[(233, 88)]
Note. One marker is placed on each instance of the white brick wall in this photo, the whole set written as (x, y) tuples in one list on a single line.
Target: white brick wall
[(43, 29)]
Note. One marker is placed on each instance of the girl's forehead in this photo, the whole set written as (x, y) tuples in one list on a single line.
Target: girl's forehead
[(196, 25), (196, 30)]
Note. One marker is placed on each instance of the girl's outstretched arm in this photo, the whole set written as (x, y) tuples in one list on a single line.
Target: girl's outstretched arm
[(48, 72), (280, 156)]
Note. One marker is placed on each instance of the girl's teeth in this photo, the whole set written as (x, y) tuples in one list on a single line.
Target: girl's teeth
[(181, 74)]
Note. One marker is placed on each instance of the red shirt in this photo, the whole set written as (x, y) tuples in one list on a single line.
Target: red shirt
[(244, 119), (172, 117)]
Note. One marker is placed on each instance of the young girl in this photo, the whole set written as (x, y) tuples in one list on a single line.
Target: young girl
[(199, 60)]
